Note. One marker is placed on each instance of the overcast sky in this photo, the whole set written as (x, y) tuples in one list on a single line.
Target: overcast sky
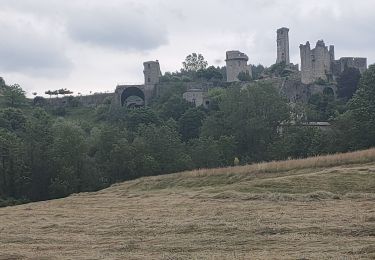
[(92, 45)]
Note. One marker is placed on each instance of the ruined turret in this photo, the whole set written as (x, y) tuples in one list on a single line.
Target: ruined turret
[(151, 72), (316, 63), (283, 46), (236, 63)]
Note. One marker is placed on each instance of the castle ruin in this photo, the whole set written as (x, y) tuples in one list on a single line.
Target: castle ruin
[(320, 64), (316, 63), (338, 66), (140, 95), (297, 85), (283, 45), (152, 72), (236, 62)]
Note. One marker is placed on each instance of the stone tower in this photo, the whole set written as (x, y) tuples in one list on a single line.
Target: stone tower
[(152, 72), (236, 63), (316, 63), (332, 52), (283, 45)]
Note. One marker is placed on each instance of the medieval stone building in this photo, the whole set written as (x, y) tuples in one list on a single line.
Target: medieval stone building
[(320, 64), (338, 66), (151, 72), (283, 45), (140, 95), (236, 63), (316, 63)]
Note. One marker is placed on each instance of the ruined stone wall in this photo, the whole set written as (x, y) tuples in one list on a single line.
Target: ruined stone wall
[(351, 62), (338, 66), (283, 45), (306, 63), (195, 96), (236, 62), (315, 63), (85, 101), (151, 72)]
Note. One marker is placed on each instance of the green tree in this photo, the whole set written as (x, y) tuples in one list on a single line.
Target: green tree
[(190, 123), (359, 120), (136, 117), (252, 115), (206, 152), (257, 71), (12, 165), (14, 95), (347, 83), (299, 141), (163, 144), (211, 73), (68, 157), (13, 119), (64, 92), (194, 62), (174, 107), (49, 92), (38, 143), (39, 101), (244, 76), (322, 107)]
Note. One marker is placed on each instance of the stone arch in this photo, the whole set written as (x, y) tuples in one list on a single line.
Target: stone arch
[(133, 91)]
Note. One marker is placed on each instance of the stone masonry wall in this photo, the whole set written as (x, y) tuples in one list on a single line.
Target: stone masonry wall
[(236, 62), (283, 45), (151, 72), (315, 63)]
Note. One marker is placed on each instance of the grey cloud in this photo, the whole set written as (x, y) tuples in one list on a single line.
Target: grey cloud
[(25, 48), (123, 29)]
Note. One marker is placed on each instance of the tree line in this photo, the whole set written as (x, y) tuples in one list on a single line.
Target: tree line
[(44, 156)]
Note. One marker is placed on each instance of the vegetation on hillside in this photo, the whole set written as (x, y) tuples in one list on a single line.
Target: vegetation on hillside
[(50, 153)]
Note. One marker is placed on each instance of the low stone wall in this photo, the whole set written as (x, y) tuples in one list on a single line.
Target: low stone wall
[(86, 101)]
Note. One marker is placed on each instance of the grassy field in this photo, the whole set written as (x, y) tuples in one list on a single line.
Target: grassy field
[(317, 208)]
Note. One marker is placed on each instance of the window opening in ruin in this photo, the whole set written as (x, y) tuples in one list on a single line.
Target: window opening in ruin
[(149, 66), (148, 79)]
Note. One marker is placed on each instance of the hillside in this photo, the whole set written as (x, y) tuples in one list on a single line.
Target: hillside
[(316, 208)]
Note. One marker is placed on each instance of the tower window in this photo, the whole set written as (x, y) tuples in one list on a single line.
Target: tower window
[(148, 79), (149, 66)]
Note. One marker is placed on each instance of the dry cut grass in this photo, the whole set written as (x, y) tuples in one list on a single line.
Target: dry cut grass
[(316, 208), (358, 157)]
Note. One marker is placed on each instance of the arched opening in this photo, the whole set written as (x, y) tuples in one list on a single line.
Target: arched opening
[(133, 97)]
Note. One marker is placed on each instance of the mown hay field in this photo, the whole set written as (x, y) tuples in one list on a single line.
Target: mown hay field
[(317, 208)]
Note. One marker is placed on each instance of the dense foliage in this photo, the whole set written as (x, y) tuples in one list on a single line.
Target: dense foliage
[(45, 153)]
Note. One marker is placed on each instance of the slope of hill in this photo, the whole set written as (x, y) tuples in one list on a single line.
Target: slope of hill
[(316, 208)]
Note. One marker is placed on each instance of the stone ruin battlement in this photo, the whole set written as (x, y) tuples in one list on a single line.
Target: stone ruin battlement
[(316, 62), (236, 55), (236, 62), (320, 64)]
